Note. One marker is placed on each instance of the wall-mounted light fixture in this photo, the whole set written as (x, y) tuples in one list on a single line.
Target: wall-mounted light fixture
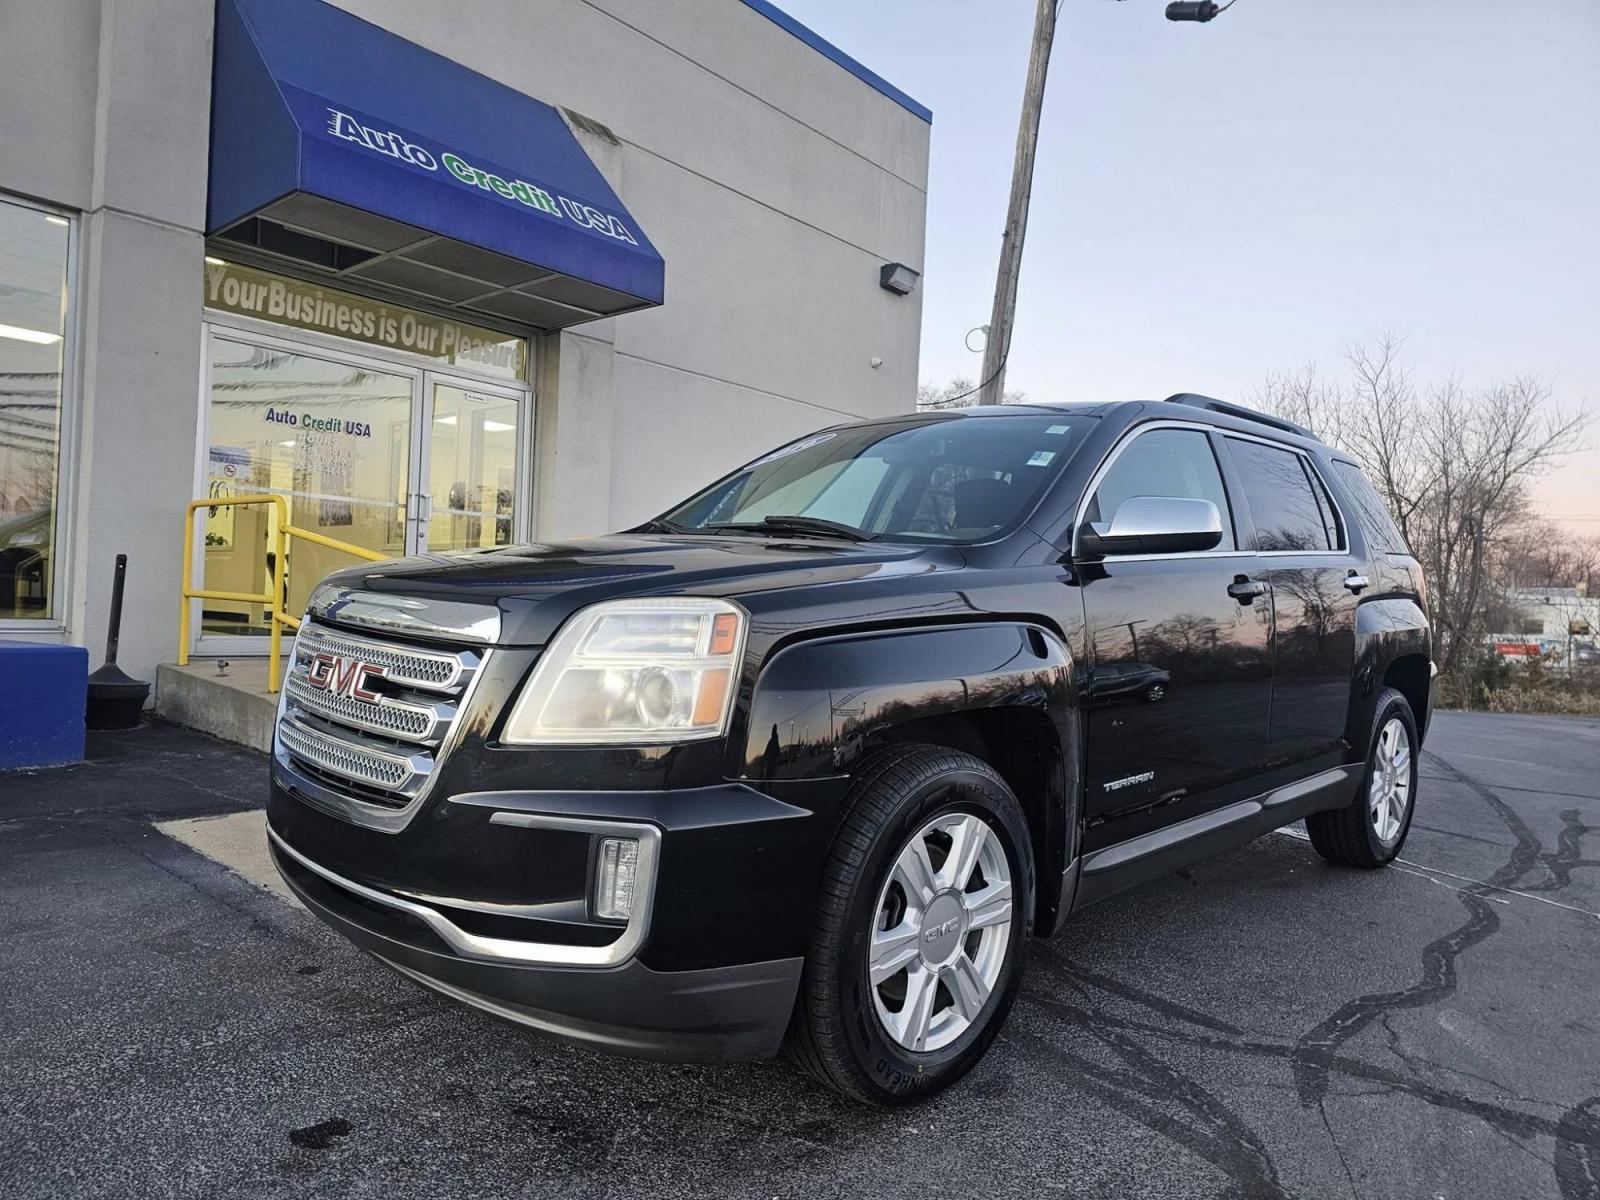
[(898, 278)]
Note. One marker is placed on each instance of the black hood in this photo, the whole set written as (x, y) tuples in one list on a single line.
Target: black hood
[(537, 587)]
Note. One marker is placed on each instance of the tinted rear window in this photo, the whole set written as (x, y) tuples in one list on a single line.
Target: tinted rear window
[(1288, 503), (1371, 513)]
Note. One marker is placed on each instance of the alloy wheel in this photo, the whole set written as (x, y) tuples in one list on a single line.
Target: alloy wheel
[(940, 931), (1389, 792)]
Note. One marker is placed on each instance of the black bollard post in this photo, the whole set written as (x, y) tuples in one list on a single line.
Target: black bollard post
[(115, 631), (115, 699)]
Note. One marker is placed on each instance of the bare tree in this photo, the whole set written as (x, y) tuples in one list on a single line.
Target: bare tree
[(960, 392), (1453, 464), (1540, 554), (1305, 398)]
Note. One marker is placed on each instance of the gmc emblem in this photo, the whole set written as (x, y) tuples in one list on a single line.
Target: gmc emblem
[(343, 676)]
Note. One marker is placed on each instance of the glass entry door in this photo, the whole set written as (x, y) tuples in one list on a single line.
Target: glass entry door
[(390, 458), (472, 462)]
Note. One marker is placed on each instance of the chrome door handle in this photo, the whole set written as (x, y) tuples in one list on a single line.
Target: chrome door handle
[(424, 507), (1356, 582), (1245, 590)]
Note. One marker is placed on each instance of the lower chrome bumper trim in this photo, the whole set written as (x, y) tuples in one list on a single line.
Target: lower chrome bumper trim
[(505, 950)]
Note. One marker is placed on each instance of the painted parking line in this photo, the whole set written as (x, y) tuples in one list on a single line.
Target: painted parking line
[(1407, 866)]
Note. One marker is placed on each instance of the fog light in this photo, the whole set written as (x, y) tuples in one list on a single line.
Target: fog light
[(613, 888)]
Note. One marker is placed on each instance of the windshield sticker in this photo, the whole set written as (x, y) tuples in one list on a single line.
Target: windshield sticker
[(803, 444), (1057, 429), (1042, 458)]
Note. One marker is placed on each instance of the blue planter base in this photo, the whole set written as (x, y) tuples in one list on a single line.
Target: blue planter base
[(43, 692)]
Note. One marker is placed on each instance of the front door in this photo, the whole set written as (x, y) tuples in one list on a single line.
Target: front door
[(1180, 653), (472, 461)]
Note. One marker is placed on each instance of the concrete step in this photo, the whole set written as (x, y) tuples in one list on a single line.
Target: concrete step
[(233, 705)]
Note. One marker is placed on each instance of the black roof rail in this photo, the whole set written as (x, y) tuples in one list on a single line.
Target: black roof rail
[(1195, 400)]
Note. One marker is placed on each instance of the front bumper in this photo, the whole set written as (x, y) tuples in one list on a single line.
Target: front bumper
[(485, 895), (606, 999)]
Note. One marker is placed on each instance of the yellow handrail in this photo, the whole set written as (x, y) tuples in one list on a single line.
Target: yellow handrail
[(272, 599)]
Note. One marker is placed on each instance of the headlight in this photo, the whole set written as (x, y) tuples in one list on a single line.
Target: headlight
[(651, 670)]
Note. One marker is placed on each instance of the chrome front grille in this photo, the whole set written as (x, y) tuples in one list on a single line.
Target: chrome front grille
[(371, 767), (371, 717), (395, 718), (431, 670)]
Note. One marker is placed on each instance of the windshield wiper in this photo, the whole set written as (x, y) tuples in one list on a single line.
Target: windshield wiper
[(796, 524), (662, 525)]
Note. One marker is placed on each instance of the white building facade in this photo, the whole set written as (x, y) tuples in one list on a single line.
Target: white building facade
[(590, 255), (1562, 623)]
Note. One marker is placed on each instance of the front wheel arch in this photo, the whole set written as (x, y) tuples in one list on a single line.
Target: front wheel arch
[(1023, 746), (1001, 690)]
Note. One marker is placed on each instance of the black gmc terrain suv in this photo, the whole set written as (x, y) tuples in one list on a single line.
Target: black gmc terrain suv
[(803, 763)]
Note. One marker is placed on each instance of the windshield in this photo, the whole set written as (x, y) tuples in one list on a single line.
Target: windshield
[(945, 479)]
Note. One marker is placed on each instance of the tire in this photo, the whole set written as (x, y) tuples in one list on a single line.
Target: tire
[(1368, 832), (843, 1030)]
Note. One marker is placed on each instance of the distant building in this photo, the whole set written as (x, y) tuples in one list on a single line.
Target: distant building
[(1555, 622), (1563, 611)]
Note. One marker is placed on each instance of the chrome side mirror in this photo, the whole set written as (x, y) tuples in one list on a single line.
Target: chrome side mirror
[(1154, 525)]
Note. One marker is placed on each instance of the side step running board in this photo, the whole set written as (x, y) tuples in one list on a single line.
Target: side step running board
[(1163, 851)]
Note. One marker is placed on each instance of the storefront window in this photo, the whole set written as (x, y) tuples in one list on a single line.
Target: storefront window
[(405, 432), (33, 294), (332, 438)]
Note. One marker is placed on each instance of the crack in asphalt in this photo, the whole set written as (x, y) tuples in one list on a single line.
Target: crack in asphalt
[(1147, 1087), (1575, 1131), (1568, 856), (1318, 1045), (1344, 1162), (1578, 1152), (1144, 1090)]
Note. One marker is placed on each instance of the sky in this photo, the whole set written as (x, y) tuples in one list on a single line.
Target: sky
[(1214, 202)]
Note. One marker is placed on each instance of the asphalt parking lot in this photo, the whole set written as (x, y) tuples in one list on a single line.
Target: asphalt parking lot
[(1262, 1025)]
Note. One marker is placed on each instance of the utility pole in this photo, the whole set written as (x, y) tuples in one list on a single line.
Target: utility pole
[(1005, 282), (993, 388)]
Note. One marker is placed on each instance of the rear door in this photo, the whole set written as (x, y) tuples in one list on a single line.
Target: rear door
[(1304, 541), (1179, 647)]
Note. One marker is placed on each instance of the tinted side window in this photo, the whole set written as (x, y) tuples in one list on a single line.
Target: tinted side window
[(1164, 462), (1326, 506), (1382, 533), (1289, 515)]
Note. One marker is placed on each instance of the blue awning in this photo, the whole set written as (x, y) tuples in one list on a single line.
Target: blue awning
[(337, 145)]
